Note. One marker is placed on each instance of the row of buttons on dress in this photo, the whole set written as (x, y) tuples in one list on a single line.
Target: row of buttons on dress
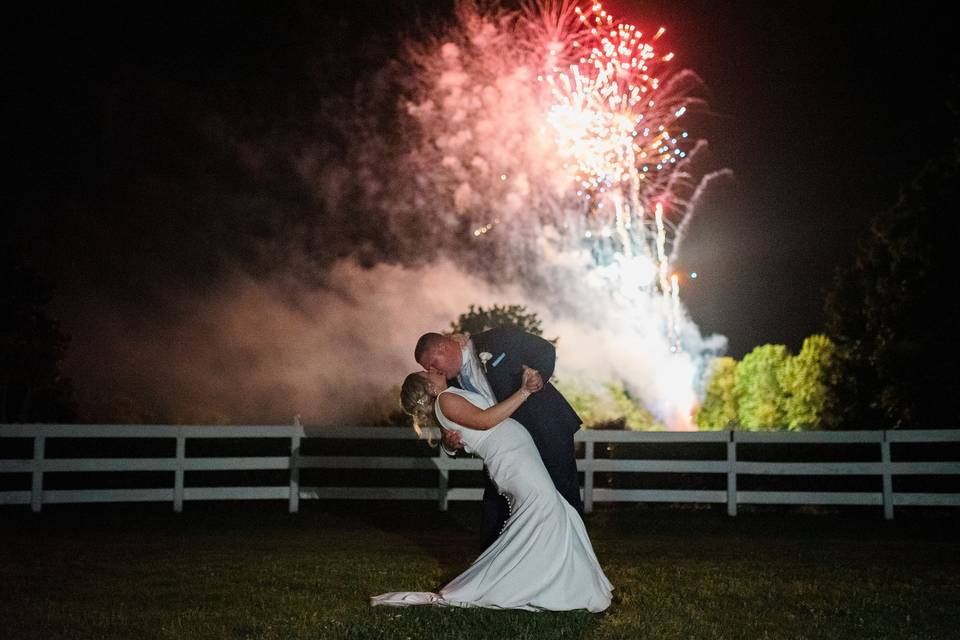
[(509, 499)]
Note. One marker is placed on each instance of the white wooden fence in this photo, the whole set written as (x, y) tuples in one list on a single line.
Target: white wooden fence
[(883, 466)]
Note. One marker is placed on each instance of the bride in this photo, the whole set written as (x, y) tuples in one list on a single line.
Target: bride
[(543, 559)]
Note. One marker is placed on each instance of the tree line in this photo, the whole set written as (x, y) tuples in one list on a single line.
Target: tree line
[(887, 356)]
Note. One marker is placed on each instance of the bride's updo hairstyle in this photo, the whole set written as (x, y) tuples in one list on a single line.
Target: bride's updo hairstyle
[(416, 402)]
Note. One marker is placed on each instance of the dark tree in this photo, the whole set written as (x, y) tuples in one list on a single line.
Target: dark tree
[(894, 311), (478, 319), (32, 348)]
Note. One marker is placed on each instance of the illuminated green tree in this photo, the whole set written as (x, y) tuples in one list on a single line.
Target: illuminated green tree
[(719, 408), (805, 379), (608, 403), (761, 399)]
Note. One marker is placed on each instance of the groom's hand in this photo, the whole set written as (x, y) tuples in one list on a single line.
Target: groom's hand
[(451, 440), (532, 380)]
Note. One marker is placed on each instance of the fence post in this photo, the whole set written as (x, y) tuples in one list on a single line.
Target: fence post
[(887, 478), (178, 473), (36, 490), (295, 469), (443, 481), (588, 476), (732, 473)]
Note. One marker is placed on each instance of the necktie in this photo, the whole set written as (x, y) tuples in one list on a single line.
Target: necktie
[(468, 383)]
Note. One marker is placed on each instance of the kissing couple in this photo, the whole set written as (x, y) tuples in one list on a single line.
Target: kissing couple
[(490, 396)]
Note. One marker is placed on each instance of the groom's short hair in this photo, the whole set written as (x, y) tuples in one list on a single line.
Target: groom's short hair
[(426, 341)]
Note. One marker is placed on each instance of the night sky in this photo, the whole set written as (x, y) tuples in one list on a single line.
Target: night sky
[(130, 134)]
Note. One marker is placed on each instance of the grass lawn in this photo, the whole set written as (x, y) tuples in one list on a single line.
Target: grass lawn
[(253, 571)]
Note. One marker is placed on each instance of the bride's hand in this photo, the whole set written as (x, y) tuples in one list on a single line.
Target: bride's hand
[(532, 381), (461, 338)]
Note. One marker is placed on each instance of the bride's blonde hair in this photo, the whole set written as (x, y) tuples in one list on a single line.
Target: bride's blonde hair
[(416, 402)]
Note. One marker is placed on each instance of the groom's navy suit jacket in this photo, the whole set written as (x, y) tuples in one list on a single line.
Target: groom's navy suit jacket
[(546, 414)]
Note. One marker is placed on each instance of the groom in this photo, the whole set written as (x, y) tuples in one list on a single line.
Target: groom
[(491, 364)]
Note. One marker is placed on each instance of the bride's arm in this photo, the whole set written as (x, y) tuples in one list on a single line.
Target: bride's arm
[(462, 411)]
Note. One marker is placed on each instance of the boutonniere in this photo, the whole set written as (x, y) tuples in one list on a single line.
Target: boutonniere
[(484, 359)]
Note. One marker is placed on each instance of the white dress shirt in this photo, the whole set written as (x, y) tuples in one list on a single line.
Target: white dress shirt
[(472, 378)]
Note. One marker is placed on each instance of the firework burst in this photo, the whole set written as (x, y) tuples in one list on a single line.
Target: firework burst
[(620, 132)]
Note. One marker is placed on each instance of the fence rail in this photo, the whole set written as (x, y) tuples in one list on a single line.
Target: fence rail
[(589, 464)]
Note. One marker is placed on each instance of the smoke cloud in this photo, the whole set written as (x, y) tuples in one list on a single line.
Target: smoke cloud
[(254, 352), (262, 351)]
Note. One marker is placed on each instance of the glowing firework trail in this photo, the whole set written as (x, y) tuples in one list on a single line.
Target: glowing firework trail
[(661, 248), (675, 313)]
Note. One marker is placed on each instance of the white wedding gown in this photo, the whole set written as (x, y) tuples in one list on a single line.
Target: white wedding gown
[(543, 559)]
